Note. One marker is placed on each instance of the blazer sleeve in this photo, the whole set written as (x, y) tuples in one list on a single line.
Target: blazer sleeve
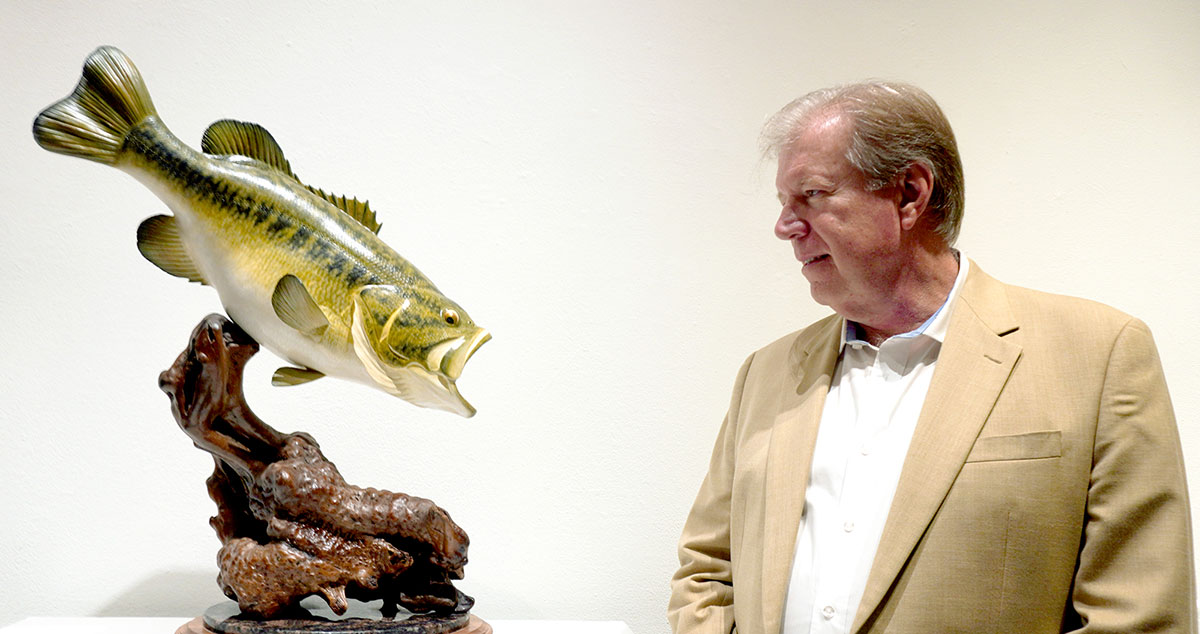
[(702, 588), (1136, 569)]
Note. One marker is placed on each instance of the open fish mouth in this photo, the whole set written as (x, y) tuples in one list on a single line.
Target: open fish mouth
[(452, 355), (425, 384)]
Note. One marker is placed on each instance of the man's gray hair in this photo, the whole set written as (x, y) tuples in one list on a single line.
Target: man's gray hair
[(894, 125)]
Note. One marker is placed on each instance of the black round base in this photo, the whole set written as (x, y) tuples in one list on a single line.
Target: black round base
[(315, 617)]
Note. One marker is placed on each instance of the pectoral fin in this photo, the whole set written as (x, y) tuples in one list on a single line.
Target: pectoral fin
[(288, 375), (158, 241), (295, 306)]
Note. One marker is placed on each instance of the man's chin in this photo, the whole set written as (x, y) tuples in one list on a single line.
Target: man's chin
[(822, 294)]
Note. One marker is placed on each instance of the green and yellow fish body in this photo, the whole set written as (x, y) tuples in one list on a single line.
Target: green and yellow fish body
[(301, 271)]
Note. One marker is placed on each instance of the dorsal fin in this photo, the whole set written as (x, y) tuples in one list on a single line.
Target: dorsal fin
[(246, 139), (359, 210), (250, 139)]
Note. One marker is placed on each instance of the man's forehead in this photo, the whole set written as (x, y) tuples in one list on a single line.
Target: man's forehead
[(828, 122), (818, 146), (824, 130)]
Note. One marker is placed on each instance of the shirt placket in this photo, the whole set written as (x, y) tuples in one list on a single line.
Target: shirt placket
[(869, 461), (832, 611)]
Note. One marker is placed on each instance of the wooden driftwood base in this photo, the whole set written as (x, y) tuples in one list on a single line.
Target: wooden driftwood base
[(290, 526), (475, 625)]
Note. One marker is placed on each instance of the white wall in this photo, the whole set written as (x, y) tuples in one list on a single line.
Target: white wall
[(583, 177)]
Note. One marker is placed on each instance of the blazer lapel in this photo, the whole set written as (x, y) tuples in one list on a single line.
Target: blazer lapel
[(789, 460), (972, 368)]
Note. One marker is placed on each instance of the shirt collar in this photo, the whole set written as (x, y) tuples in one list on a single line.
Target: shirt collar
[(934, 327)]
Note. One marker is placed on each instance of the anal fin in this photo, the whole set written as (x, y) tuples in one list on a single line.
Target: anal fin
[(288, 375), (158, 241), (296, 307)]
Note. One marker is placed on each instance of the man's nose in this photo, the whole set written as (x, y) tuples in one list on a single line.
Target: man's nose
[(790, 225)]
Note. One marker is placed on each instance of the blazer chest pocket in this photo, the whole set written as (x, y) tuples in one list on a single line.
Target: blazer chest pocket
[(1038, 444)]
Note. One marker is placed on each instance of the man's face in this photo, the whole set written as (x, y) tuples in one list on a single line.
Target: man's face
[(847, 238)]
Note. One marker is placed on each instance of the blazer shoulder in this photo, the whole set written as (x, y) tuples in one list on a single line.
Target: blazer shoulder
[(1007, 308), (1073, 313), (816, 333), (792, 351)]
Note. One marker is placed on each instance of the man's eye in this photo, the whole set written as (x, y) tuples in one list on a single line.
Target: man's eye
[(809, 193)]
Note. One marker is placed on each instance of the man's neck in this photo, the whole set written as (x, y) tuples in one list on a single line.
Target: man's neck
[(920, 291)]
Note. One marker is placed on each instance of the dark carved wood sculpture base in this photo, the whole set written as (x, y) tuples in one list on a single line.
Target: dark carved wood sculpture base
[(289, 525)]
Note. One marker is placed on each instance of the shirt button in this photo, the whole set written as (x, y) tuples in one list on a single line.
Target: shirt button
[(848, 527), (827, 612)]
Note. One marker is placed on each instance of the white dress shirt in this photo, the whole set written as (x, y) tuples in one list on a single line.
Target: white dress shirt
[(874, 399)]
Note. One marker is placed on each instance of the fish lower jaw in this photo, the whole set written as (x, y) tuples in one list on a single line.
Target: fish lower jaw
[(417, 385)]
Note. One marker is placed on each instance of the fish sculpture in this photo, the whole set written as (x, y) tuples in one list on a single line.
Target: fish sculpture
[(302, 271)]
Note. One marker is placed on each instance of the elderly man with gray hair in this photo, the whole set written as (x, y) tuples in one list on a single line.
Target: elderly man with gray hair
[(944, 453)]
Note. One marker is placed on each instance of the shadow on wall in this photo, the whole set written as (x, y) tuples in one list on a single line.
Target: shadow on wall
[(172, 593)]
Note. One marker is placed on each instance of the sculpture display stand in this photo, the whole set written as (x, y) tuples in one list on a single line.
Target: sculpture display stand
[(359, 619), (292, 528)]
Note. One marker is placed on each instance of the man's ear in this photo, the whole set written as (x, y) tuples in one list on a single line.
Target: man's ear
[(913, 191)]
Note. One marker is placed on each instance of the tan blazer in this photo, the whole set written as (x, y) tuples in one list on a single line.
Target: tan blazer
[(1043, 491)]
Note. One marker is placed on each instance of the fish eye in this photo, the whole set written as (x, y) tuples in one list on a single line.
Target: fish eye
[(450, 315)]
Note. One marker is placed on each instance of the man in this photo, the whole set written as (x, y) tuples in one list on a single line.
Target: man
[(946, 453)]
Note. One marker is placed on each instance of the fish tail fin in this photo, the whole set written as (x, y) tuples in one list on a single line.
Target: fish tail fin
[(93, 121)]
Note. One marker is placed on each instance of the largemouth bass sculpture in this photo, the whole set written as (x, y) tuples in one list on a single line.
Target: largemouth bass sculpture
[(301, 271)]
